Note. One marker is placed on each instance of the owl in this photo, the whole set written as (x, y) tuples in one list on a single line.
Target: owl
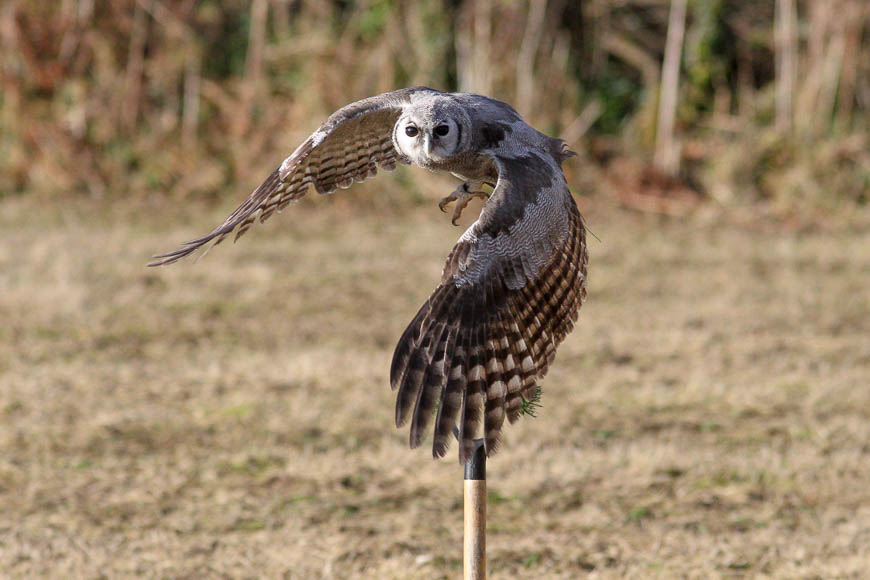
[(513, 284)]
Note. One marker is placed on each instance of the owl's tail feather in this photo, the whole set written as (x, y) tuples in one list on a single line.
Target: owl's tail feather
[(411, 339), (473, 398), (441, 362), (518, 365), (467, 353), (452, 395), (432, 383), (496, 388)]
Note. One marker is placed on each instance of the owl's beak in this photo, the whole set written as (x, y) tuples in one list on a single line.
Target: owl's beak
[(427, 145)]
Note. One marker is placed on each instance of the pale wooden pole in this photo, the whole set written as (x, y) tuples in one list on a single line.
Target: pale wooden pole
[(474, 539)]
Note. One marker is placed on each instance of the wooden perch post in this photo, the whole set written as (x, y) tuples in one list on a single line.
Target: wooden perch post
[(474, 539)]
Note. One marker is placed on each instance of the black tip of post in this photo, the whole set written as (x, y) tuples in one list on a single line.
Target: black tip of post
[(475, 467)]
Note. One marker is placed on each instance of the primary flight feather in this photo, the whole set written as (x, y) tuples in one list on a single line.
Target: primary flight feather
[(512, 286)]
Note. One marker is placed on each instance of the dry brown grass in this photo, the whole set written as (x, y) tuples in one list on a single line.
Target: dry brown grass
[(710, 416)]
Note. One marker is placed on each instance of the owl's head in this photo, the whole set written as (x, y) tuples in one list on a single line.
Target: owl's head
[(432, 132)]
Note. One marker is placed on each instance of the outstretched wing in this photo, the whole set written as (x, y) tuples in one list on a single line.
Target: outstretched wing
[(348, 147), (509, 294)]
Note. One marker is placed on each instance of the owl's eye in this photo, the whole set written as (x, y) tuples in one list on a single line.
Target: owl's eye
[(442, 130), (411, 131)]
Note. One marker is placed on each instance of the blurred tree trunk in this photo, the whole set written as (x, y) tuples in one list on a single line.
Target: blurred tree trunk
[(785, 44), (826, 59), (832, 67), (600, 18), (473, 39), (526, 58), (281, 19), (667, 157), (10, 104), (811, 76), (857, 14), (135, 66), (254, 56), (249, 90)]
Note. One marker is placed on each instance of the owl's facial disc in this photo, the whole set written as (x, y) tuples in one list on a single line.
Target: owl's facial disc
[(427, 140)]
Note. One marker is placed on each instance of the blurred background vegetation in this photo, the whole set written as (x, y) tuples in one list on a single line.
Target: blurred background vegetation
[(741, 103)]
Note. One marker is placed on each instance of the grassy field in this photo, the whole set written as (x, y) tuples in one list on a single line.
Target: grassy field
[(232, 418)]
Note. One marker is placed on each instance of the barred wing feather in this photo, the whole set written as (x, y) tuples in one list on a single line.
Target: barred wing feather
[(349, 147), (510, 293)]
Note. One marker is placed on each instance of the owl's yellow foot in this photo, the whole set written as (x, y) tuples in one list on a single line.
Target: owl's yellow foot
[(462, 195)]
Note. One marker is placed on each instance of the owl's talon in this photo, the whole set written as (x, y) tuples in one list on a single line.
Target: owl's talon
[(462, 195)]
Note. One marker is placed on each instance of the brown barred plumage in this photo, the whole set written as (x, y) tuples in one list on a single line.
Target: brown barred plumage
[(351, 146), (491, 346), (511, 287)]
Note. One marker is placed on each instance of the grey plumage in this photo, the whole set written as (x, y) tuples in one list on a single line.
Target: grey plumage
[(513, 284)]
